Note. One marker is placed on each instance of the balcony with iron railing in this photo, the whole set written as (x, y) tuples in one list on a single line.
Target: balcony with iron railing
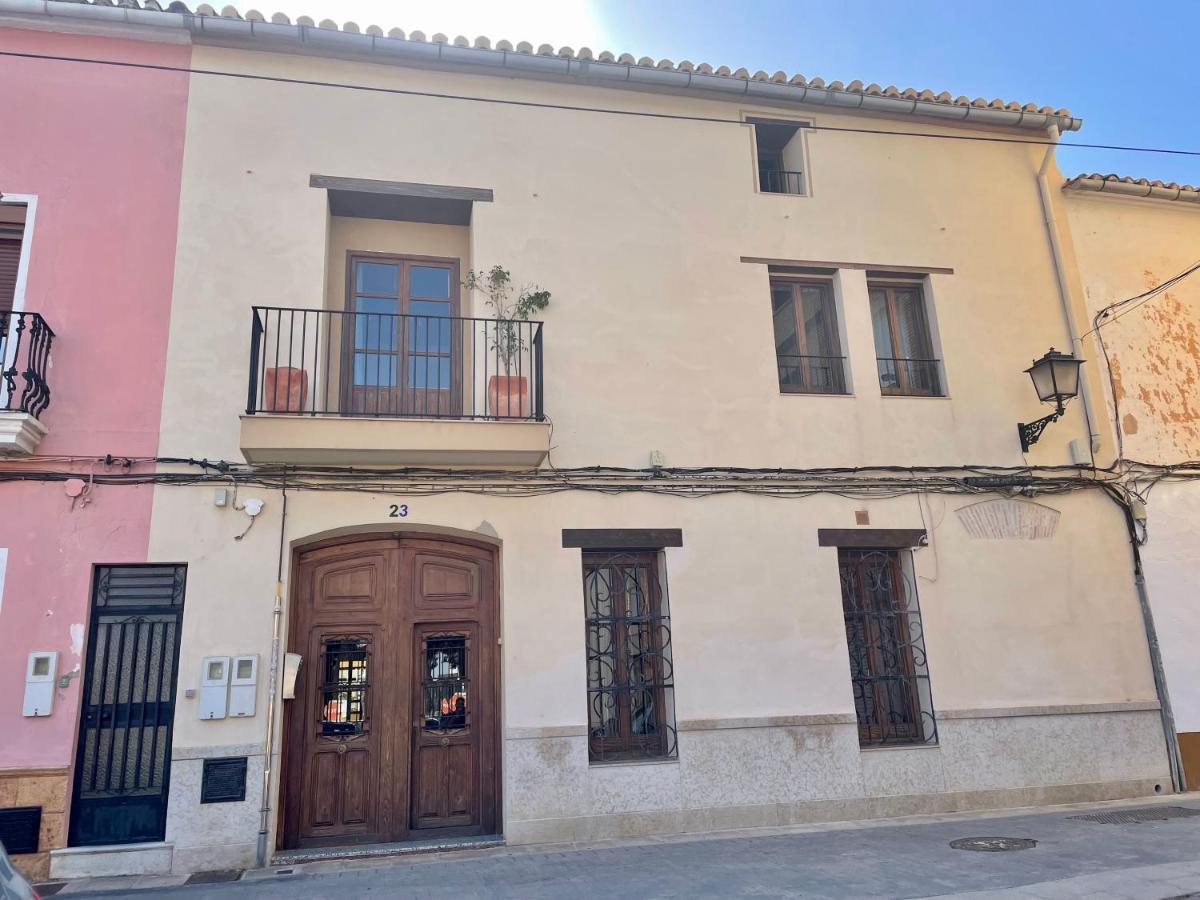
[(25, 341), (333, 386), (772, 180), (910, 377), (811, 374)]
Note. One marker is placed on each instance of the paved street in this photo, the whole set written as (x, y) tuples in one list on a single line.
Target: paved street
[(1147, 861)]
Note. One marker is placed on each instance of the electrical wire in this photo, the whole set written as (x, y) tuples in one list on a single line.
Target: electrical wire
[(717, 120), (1114, 312)]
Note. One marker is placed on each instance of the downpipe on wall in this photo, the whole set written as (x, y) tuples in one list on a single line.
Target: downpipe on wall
[(264, 824), (1064, 296), (1174, 761)]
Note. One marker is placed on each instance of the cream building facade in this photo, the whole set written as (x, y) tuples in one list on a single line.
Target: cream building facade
[(758, 545), (1132, 238)]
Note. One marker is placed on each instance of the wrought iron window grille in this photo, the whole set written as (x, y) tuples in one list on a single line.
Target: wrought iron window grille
[(631, 690), (345, 687), (888, 667), (446, 686)]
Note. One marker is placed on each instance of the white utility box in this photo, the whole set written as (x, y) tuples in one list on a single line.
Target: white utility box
[(214, 687), (40, 673), (243, 686)]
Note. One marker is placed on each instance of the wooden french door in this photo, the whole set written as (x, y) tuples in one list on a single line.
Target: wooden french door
[(403, 343), (393, 733)]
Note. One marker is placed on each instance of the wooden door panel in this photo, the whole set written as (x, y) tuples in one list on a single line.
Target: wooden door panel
[(321, 794), (443, 582), (372, 755), (356, 778), (343, 746), (446, 756), (349, 584), (346, 586), (429, 764), (461, 792)]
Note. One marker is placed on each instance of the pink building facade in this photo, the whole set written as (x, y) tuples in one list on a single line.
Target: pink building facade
[(89, 180)]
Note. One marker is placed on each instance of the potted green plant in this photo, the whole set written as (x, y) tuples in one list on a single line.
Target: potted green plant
[(508, 394)]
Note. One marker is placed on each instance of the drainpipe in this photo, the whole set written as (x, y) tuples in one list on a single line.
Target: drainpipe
[(1174, 762), (1064, 297), (264, 824)]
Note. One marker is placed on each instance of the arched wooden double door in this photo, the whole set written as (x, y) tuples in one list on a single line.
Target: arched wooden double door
[(393, 731)]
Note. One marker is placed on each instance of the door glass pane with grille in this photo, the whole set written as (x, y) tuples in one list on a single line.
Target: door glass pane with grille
[(344, 687)]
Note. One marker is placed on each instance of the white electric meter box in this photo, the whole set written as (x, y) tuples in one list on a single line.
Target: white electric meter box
[(243, 686), (40, 673), (214, 687)]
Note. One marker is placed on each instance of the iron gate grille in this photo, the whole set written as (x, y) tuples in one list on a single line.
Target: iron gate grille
[(123, 762), (631, 703), (888, 668)]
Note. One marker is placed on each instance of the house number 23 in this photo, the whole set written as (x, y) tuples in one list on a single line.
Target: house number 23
[(398, 511)]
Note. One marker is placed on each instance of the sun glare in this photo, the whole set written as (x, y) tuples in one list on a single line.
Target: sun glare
[(576, 23)]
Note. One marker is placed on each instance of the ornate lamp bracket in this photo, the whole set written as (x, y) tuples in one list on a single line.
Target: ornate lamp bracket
[(1031, 431)]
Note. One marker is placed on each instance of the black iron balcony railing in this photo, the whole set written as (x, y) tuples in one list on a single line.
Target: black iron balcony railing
[(812, 374), (321, 362), (911, 377), (780, 181), (25, 341)]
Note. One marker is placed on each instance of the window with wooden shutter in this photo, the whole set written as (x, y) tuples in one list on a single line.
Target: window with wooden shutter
[(10, 258), (807, 348), (903, 340)]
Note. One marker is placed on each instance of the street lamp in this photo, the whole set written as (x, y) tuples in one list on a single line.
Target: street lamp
[(1056, 379)]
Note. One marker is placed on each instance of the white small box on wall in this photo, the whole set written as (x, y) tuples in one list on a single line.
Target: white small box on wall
[(40, 673), (243, 686), (214, 687)]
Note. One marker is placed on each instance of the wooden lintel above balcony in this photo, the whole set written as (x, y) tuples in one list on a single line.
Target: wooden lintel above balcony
[(368, 441)]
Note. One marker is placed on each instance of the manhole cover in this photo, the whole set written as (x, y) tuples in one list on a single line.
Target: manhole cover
[(993, 844), (218, 876), (1139, 815)]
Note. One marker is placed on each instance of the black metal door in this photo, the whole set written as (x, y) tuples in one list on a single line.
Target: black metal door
[(123, 761)]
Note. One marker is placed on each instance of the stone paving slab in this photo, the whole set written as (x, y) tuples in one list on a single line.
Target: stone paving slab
[(896, 859)]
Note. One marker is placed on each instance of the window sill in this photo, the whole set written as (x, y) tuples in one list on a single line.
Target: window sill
[(915, 745), (763, 193), (611, 763), (815, 394), (915, 396)]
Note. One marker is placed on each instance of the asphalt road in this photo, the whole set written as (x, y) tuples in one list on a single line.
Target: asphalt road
[(1072, 858)]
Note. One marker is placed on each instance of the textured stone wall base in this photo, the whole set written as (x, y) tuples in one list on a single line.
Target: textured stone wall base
[(721, 818), (48, 789)]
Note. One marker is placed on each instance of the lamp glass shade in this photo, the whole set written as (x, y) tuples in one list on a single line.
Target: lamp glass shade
[(1055, 376)]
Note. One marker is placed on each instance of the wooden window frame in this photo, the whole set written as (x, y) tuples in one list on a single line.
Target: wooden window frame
[(831, 332), (903, 388), (403, 298), (623, 747)]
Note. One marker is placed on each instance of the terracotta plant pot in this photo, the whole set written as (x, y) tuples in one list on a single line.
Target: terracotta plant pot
[(508, 396), (286, 390)]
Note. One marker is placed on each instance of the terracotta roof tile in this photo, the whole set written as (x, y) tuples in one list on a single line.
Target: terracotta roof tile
[(854, 87), (1124, 184)]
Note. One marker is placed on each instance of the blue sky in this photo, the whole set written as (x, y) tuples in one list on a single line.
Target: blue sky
[(1127, 69)]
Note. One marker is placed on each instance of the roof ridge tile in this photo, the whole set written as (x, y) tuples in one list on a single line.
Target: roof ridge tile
[(856, 86)]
